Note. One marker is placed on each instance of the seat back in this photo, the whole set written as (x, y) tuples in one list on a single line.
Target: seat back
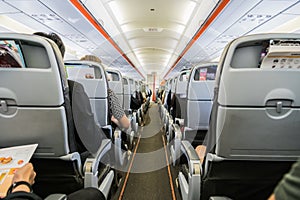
[(200, 95), (255, 116), (115, 83), (169, 94), (137, 86), (93, 78), (33, 95), (166, 90), (127, 93), (173, 85), (180, 94), (132, 86)]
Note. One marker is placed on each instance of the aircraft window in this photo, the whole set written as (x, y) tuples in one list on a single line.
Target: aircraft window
[(112, 76), (205, 73), (22, 54), (125, 81), (80, 71)]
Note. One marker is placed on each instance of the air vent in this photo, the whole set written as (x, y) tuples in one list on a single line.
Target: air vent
[(153, 29)]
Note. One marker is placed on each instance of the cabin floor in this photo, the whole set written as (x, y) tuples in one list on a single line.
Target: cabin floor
[(149, 174)]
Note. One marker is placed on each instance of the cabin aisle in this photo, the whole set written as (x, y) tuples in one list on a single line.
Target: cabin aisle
[(149, 175)]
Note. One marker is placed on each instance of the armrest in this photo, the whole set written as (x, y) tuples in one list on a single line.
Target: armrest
[(180, 121), (91, 164), (56, 197), (117, 133), (177, 131), (186, 129), (74, 157), (108, 127), (192, 157)]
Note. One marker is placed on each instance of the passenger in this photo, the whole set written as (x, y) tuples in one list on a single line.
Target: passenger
[(289, 186), (117, 113), (24, 178)]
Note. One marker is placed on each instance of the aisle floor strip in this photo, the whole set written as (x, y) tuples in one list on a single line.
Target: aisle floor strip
[(129, 169), (169, 170)]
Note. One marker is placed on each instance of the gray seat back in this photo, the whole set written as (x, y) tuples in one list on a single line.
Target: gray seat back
[(132, 86), (137, 86), (200, 95), (166, 90), (127, 93), (93, 78), (257, 114), (168, 95), (181, 92), (115, 83), (173, 85), (181, 84), (32, 95)]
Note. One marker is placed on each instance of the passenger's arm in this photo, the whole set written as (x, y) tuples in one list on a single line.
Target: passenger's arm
[(272, 197), (22, 191), (123, 122), (288, 187), (201, 149), (118, 114), (25, 173)]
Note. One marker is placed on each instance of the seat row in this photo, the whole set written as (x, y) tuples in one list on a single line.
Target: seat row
[(62, 107), (253, 125)]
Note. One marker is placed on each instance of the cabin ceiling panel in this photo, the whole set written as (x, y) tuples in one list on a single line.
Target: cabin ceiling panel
[(75, 19), (295, 10), (98, 10), (139, 10), (250, 17), (153, 43), (6, 8)]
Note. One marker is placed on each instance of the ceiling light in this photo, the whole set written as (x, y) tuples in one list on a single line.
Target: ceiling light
[(187, 11), (153, 29), (117, 11)]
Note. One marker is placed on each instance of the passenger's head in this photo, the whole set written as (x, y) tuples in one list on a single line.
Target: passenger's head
[(91, 58), (55, 38)]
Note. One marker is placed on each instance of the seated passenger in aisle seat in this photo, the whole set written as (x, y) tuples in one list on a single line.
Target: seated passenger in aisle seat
[(117, 113), (289, 186), (24, 178)]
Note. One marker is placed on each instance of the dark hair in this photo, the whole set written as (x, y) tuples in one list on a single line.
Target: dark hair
[(55, 38)]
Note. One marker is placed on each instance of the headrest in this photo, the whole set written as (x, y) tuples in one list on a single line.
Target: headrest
[(90, 74), (83, 70), (113, 75)]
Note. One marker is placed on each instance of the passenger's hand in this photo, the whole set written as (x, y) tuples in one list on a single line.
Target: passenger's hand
[(25, 173), (113, 119)]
